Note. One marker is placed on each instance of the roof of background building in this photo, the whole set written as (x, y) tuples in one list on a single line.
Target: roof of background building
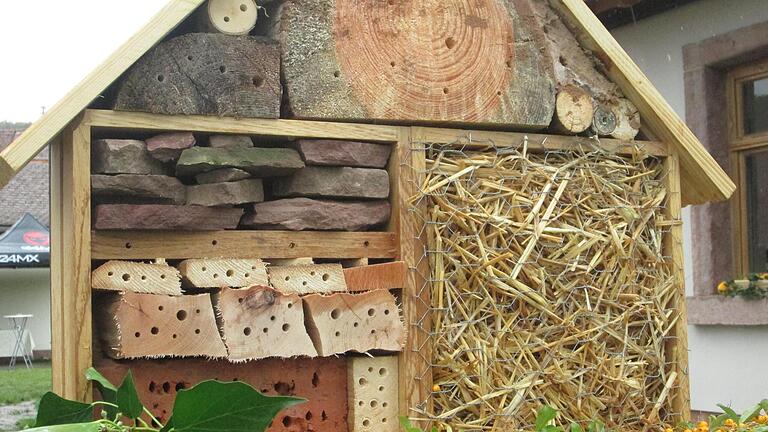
[(28, 191)]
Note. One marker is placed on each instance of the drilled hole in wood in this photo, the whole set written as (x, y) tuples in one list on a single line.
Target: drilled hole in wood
[(197, 311), (110, 274), (324, 416), (287, 278), (240, 300), (247, 331), (450, 42), (174, 336), (152, 387), (337, 74), (381, 388), (304, 283), (180, 386), (384, 404), (189, 57), (126, 277), (384, 420), (315, 379), (374, 403), (167, 387), (360, 403), (356, 324), (160, 308), (336, 313), (143, 277), (373, 331), (286, 327), (366, 422), (509, 64), (371, 312), (386, 311), (362, 381), (128, 245), (230, 273), (366, 243), (154, 330), (286, 421), (258, 81), (290, 305), (161, 78), (326, 276), (291, 245), (214, 242), (308, 416), (338, 333), (392, 64), (197, 331), (382, 371), (272, 318), (162, 276), (312, 273), (370, 370), (243, 7), (247, 275), (215, 275), (226, 19), (181, 315), (265, 330), (137, 334), (445, 90), (204, 268)]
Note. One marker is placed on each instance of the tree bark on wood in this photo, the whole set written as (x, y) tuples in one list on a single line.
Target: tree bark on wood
[(206, 74), (437, 61)]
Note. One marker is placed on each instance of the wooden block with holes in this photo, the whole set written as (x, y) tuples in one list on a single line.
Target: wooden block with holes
[(217, 273), (372, 388), (260, 322), (377, 276), (306, 279), (321, 381), (133, 325), (137, 277), (340, 323)]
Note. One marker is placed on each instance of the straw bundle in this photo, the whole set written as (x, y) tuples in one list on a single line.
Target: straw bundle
[(549, 286)]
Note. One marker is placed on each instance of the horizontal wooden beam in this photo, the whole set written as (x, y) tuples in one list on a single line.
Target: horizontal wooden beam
[(478, 139), (241, 244), (229, 125)]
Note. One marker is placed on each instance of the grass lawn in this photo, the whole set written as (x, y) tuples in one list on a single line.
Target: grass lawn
[(23, 384)]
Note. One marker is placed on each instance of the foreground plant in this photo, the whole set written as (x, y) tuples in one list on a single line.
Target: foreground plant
[(211, 406), (754, 419)]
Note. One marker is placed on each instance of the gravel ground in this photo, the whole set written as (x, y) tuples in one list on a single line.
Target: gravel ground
[(11, 414)]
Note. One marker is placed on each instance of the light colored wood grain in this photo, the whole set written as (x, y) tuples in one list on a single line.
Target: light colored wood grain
[(133, 325), (306, 279), (378, 276), (474, 139), (415, 360), (137, 277), (37, 136), (372, 387), (261, 322), (702, 178), (250, 126), (217, 273), (240, 244), (71, 266), (673, 247), (340, 323)]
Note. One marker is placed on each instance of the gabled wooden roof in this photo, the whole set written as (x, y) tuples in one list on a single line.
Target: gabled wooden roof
[(703, 179)]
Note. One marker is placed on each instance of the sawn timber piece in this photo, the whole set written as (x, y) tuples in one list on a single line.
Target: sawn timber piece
[(137, 277)]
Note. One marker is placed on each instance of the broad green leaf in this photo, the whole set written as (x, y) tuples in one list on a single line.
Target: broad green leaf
[(107, 390), (731, 414), (213, 406), (78, 427), (764, 405), (576, 428), (750, 414), (407, 425), (128, 399), (551, 428), (55, 410), (716, 421), (544, 416)]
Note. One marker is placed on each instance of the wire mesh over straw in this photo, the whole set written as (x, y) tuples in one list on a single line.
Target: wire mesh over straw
[(549, 285)]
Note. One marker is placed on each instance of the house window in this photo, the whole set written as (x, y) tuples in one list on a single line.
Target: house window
[(748, 132)]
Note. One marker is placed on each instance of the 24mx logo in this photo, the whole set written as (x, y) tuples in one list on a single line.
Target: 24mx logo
[(19, 259)]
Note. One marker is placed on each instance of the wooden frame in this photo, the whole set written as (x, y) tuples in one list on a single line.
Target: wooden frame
[(75, 245), (741, 146)]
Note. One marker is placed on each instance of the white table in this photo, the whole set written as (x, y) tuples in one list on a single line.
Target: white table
[(19, 323)]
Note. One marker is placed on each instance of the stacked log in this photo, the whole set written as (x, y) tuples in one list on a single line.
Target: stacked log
[(170, 181)]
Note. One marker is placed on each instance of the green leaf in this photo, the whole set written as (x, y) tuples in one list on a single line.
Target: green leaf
[(551, 428), (595, 426), (545, 415), (576, 428), (731, 414), (107, 390), (55, 410), (716, 421), (79, 427), (128, 399), (750, 414), (407, 425), (233, 406), (764, 405)]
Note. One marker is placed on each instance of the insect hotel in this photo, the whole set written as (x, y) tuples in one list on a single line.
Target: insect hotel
[(455, 211)]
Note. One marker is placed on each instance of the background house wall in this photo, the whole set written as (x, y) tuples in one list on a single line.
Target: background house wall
[(727, 363), (28, 291)]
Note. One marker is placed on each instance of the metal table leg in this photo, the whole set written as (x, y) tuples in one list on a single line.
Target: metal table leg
[(19, 324)]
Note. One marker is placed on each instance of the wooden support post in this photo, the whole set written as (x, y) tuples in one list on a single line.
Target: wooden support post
[(677, 349), (71, 262), (407, 170)]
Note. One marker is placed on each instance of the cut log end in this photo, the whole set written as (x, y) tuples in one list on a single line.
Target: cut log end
[(137, 277), (231, 17), (574, 110), (604, 121), (217, 273)]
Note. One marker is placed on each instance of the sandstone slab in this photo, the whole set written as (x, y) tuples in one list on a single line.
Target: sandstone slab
[(334, 182), (168, 146), (344, 153), (119, 156), (261, 162), (297, 214), (218, 141), (222, 194), (164, 217), (157, 188), (222, 175)]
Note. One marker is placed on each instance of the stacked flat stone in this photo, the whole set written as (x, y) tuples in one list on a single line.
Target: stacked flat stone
[(344, 187)]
